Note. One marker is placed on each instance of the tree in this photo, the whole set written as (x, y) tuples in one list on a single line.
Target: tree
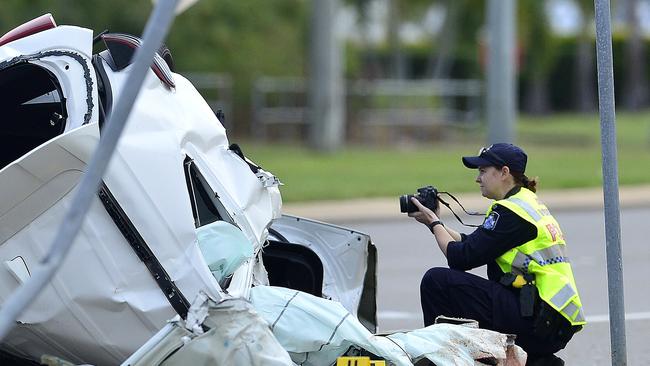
[(397, 12), (444, 42), (540, 54), (584, 61), (635, 92)]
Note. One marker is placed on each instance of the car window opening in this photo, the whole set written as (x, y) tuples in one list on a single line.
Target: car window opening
[(33, 109), (206, 206)]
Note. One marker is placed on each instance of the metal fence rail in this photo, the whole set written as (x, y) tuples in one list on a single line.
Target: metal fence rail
[(279, 102), (392, 106)]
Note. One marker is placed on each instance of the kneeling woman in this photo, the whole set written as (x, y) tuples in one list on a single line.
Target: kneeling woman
[(530, 290)]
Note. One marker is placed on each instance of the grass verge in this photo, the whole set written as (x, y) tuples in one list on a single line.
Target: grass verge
[(564, 151)]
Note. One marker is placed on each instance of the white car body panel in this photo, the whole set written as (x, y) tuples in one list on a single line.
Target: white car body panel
[(103, 303)]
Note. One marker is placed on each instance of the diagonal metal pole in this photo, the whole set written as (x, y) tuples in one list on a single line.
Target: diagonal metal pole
[(154, 33), (610, 182)]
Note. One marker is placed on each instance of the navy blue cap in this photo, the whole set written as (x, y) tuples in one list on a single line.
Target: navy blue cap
[(500, 154)]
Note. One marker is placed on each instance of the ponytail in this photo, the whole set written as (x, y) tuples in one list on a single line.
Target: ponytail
[(522, 180)]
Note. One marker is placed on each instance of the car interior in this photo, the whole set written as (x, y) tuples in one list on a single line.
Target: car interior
[(33, 109)]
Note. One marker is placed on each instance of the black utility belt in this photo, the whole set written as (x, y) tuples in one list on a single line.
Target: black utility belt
[(528, 294), (548, 323)]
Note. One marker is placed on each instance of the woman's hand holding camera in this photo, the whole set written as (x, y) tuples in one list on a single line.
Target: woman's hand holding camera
[(424, 215)]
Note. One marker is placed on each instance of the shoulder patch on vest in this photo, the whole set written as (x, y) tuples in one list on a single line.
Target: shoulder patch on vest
[(491, 221)]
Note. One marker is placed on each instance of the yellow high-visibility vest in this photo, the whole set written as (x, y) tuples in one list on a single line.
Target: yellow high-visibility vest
[(544, 256)]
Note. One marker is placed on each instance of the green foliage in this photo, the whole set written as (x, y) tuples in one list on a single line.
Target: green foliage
[(244, 38), (561, 79), (126, 16), (535, 38), (564, 151)]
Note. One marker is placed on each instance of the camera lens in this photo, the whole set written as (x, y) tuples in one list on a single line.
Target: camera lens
[(404, 203)]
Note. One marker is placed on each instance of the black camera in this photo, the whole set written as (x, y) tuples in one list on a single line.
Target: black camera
[(428, 197)]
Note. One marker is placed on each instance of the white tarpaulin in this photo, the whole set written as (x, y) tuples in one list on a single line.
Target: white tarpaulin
[(316, 331), (449, 344)]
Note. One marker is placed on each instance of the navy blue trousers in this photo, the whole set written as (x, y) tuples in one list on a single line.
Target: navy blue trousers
[(454, 293)]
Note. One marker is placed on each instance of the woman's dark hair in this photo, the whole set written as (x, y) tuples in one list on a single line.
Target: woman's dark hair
[(522, 180)]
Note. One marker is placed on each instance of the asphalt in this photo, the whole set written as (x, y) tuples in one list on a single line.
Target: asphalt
[(387, 208)]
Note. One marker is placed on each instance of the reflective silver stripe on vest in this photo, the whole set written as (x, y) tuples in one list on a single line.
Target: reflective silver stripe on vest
[(573, 312), (520, 263), (563, 296), (528, 208), (551, 255), (570, 310)]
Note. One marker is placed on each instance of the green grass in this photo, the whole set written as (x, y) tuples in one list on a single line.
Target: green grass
[(564, 151)]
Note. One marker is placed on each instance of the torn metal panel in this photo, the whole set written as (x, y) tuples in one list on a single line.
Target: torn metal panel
[(346, 257)]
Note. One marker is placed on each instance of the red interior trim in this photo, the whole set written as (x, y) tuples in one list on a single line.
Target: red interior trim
[(44, 22)]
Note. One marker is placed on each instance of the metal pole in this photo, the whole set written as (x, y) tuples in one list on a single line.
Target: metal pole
[(154, 33), (326, 102), (501, 106), (610, 182)]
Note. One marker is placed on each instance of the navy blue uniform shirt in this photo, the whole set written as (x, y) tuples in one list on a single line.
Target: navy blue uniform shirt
[(501, 231)]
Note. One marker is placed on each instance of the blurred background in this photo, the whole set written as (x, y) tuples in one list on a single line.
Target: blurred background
[(403, 83)]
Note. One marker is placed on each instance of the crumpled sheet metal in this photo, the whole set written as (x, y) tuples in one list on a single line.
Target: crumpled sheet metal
[(316, 331), (237, 336)]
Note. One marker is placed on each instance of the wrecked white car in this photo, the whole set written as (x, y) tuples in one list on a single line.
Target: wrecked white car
[(182, 217)]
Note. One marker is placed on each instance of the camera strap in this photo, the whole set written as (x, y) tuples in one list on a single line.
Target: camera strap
[(472, 213)]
